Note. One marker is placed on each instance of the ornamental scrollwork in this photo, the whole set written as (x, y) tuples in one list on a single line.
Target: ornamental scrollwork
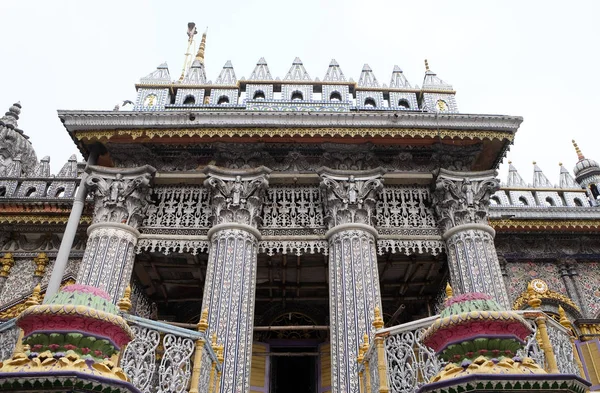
[(237, 196), (350, 198), (175, 367), (121, 196), (410, 362), (563, 349), (463, 197), (139, 358)]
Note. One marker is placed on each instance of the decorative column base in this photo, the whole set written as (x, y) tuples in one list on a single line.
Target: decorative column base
[(353, 296), (229, 294), (473, 262), (108, 259)]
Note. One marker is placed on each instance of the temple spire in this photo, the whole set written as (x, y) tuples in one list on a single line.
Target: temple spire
[(227, 75), (261, 71), (514, 179), (202, 47), (566, 180), (297, 72), (334, 73), (367, 78), (539, 179), (432, 81), (578, 151), (398, 80)]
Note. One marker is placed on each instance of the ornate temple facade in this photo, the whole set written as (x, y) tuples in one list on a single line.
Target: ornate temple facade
[(306, 216)]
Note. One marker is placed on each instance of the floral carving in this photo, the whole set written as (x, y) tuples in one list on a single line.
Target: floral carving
[(237, 196), (121, 196), (463, 198), (350, 198)]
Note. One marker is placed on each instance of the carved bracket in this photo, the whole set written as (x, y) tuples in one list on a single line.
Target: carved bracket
[(237, 195), (350, 196), (121, 195), (463, 197)]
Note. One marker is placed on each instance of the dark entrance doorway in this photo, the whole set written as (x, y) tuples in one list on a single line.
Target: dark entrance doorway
[(294, 370)]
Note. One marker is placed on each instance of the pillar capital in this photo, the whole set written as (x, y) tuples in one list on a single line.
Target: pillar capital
[(121, 195), (350, 196), (462, 198), (237, 195)]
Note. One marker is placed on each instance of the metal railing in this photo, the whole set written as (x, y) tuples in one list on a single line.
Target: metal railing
[(408, 364), (160, 359), (168, 359), (165, 358)]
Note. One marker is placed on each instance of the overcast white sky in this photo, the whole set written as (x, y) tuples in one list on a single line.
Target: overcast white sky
[(536, 59)]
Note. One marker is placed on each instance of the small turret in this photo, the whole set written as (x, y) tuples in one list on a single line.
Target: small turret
[(438, 96), (367, 78), (514, 179), (334, 73), (261, 71), (566, 180), (587, 174), (297, 72), (17, 156), (539, 179)]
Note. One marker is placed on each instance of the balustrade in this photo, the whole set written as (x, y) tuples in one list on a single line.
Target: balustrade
[(409, 364), (160, 358)]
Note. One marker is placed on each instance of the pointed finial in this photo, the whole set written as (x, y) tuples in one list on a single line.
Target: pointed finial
[(214, 342), (564, 321), (578, 150), (378, 322), (361, 355), (202, 47), (220, 350), (41, 261), (124, 303), (534, 300), (365, 344), (7, 262), (203, 324), (449, 292), (34, 299), (427, 66)]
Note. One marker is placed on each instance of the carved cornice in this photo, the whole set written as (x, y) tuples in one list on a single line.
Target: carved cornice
[(237, 195), (462, 198), (110, 120), (40, 219), (349, 197), (545, 225), (121, 195), (259, 132)]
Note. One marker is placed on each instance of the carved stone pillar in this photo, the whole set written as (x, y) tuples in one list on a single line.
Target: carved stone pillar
[(120, 203), (354, 291), (461, 201), (230, 287)]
